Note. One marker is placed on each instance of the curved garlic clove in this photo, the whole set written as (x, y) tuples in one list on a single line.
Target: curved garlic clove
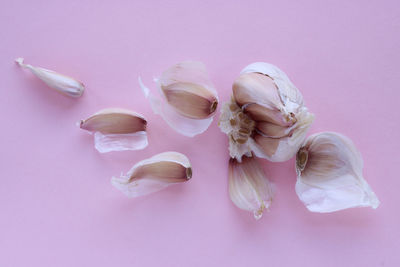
[(187, 100), (269, 108), (249, 188), (63, 84), (116, 130), (329, 174), (153, 174)]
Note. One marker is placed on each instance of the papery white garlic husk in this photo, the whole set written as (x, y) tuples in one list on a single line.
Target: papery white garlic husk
[(265, 116), (63, 84), (249, 188), (187, 100), (329, 174), (153, 174), (116, 129)]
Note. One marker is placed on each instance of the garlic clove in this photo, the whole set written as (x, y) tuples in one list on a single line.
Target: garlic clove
[(329, 175), (187, 100), (63, 84), (271, 130), (153, 174), (116, 129), (264, 98), (190, 100), (249, 188), (260, 113), (253, 87), (268, 145)]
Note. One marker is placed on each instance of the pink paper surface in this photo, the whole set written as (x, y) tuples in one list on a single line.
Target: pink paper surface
[(57, 206)]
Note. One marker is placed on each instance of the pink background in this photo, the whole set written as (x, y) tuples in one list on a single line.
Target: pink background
[(57, 206)]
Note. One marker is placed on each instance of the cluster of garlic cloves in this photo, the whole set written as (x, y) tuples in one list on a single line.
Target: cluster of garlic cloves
[(249, 188), (265, 118), (116, 129), (329, 174), (187, 99), (61, 83), (266, 115), (154, 174)]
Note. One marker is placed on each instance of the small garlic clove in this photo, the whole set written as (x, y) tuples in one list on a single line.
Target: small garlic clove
[(116, 129), (329, 175), (264, 99), (187, 99), (249, 188), (153, 174), (63, 84)]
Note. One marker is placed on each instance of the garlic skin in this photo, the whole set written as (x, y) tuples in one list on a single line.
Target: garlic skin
[(154, 174), (329, 175), (187, 100), (249, 188), (61, 83), (116, 129), (266, 115)]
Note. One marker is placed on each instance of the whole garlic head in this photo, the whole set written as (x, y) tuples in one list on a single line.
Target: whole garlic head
[(266, 115), (329, 174)]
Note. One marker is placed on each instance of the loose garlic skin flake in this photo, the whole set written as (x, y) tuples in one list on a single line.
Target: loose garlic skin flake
[(154, 174), (266, 115), (187, 100), (63, 84), (116, 129), (329, 175), (249, 188)]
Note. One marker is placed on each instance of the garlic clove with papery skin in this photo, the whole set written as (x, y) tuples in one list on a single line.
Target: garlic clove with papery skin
[(154, 174), (329, 174), (116, 129), (63, 84), (266, 115), (187, 100), (249, 188)]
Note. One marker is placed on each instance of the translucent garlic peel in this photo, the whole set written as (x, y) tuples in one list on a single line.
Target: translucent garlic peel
[(63, 84), (329, 175), (177, 84), (120, 142), (249, 188), (265, 99), (116, 129), (154, 174)]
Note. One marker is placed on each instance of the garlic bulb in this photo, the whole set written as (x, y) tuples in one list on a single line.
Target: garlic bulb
[(116, 129), (249, 188), (329, 174), (153, 174), (187, 99), (266, 115), (63, 84)]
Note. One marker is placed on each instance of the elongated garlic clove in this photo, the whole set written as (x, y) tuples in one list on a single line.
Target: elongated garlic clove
[(266, 115), (187, 100), (116, 130), (329, 174), (153, 174), (63, 84), (249, 188)]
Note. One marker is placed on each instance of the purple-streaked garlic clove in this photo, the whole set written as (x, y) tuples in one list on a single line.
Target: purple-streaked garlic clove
[(329, 174), (249, 188), (187, 100), (116, 129), (154, 174)]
